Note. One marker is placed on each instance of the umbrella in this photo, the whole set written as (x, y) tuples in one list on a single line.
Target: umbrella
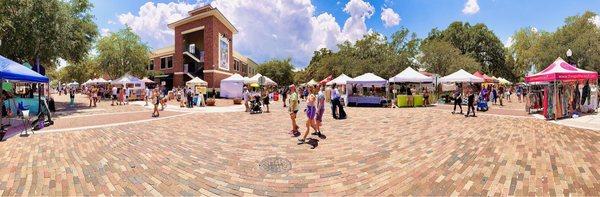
[(254, 85)]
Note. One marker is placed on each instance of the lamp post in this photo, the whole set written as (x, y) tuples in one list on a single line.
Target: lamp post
[(570, 57)]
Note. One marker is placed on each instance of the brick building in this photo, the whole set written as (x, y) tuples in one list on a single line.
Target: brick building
[(203, 48)]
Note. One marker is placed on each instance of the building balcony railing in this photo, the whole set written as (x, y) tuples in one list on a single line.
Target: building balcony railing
[(194, 53)]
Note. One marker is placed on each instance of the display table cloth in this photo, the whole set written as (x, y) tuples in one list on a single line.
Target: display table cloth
[(364, 100), (402, 101), (418, 100)]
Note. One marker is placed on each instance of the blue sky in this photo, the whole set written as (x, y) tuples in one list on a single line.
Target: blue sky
[(298, 27)]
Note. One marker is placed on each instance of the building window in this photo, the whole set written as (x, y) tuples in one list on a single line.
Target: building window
[(166, 62), (151, 65)]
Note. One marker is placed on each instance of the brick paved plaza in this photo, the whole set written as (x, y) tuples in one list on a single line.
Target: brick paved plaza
[(376, 151)]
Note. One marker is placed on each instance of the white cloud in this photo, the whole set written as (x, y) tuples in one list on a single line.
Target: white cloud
[(355, 26), (471, 7), (389, 17), (151, 21), (509, 42), (290, 28), (111, 22), (595, 20), (266, 29), (104, 32)]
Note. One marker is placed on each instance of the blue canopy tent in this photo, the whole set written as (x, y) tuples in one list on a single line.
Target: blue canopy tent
[(13, 71), (10, 70)]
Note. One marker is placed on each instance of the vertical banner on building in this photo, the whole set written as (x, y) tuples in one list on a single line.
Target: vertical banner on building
[(223, 52)]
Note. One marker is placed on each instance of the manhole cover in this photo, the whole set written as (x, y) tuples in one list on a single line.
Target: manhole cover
[(275, 165)]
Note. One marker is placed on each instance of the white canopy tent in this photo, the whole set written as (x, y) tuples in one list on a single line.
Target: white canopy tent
[(196, 82), (73, 84), (340, 80), (127, 79), (312, 82), (254, 79), (411, 75), (89, 81), (368, 79), (100, 81), (365, 80), (232, 87), (461, 76), (146, 80), (503, 81)]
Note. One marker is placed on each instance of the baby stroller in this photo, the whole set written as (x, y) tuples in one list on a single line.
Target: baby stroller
[(482, 104), (255, 105)]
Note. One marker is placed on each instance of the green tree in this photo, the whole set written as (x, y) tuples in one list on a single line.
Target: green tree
[(122, 52), (477, 42), (80, 71), (442, 58), (373, 53), (46, 29), (579, 35), (278, 70), (523, 53)]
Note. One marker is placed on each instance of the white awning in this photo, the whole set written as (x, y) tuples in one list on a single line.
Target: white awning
[(461, 76), (411, 75)]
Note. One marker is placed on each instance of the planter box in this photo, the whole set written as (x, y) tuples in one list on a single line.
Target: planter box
[(210, 102), (237, 101)]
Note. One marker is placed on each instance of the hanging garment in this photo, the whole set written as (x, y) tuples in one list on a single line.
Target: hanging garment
[(585, 95), (545, 103)]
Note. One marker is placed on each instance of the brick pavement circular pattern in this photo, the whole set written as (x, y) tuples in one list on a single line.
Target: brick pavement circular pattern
[(275, 165)]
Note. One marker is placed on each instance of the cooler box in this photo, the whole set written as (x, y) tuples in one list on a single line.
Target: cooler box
[(402, 101), (418, 100), (275, 97)]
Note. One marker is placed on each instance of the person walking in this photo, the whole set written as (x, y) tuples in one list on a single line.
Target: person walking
[(72, 97), (426, 96), (115, 94), (336, 104), (519, 93), (156, 101), (265, 99), (494, 95), (501, 94), (246, 96), (311, 112), (127, 94), (122, 96), (320, 110), (471, 102), (293, 109), (94, 95), (457, 99), (284, 93)]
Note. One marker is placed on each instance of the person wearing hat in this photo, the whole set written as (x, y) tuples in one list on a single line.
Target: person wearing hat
[(293, 108)]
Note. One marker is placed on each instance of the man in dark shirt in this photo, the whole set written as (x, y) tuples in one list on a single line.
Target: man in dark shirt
[(471, 103)]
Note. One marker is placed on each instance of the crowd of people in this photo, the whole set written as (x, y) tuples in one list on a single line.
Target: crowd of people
[(481, 94)]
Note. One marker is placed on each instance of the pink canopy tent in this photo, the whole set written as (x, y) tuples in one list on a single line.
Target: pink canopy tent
[(486, 79), (561, 71)]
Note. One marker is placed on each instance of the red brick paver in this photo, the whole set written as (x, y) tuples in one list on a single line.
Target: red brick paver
[(375, 152)]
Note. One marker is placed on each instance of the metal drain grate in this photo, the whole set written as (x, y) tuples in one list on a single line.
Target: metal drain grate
[(275, 165)]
